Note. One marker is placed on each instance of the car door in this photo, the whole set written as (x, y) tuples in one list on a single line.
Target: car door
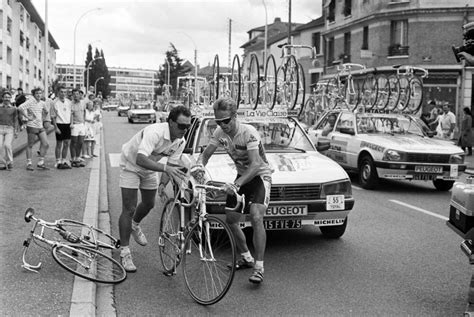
[(340, 139), (316, 135)]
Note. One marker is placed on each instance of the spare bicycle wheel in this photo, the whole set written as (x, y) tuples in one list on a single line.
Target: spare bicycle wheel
[(291, 82), (254, 81), (404, 97), (209, 260), (368, 97), (300, 98), (394, 92), (351, 93), (383, 92), (281, 87), (268, 90), (235, 80), (89, 263), (214, 83), (416, 95)]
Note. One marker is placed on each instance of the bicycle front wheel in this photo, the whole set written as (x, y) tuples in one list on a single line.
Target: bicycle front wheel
[(254, 81), (301, 91), (89, 263), (292, 82), (236, 80), (369, 92), (169, 241), (416, 95), (87, 235), (394, 84), (209, 260), (269, 89)]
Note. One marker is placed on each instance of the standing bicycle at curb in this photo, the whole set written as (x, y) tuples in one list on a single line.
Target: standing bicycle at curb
[(242, 143), (139, 164)]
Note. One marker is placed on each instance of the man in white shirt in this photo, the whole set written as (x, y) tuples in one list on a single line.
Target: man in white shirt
[(139, 164), (61, 118), (447, 122)]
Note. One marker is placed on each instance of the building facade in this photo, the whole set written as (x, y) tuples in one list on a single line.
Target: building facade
[(65, 75), (22, 53), (137, 84)]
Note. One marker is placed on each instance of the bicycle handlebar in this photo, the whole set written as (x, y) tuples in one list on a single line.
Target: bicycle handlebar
[(348, 66), (240, 198), (410, 70), (286, 46)]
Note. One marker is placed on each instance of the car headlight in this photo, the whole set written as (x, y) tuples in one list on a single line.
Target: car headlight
[(337, 188), (392, 155), (153, 115), (456, 159)]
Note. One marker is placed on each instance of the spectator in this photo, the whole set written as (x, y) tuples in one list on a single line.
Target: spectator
[(78, 128), (329, 125), (33, 110), (20, 97), (8, 130), (97, 122), (465, 138), (447, 123), (61, 118), (90, 130)]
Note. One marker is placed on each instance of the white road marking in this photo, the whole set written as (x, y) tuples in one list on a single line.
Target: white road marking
[(114, 159), (419, 209)]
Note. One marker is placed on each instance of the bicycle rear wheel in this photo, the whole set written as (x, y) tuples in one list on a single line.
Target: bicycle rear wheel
[(281, 88), (351, 93), (169, 241), (383, 92), (300, 97), (333, 92), (254, 81), (369, 92), (209, 260), (214, 84), (236, 80), (89, 263), (87, 235), (269, 89), (416, 95), (291, 82), (394, 92), (404, 97)]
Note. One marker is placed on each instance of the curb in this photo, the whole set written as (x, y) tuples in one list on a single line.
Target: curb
[(83, 299)]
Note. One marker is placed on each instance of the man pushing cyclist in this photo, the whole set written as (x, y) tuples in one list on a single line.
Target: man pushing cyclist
[(243, 144)]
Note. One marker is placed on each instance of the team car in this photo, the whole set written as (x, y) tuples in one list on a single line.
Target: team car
[(122, 109), (308, 189), (141, 112), (388, 145)]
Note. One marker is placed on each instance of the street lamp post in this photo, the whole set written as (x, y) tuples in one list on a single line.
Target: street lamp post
[(195, 68), (88, 68), (95, 84), (74, 52)]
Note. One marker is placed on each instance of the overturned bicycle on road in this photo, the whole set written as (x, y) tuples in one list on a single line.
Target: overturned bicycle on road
[(391, 146), (308, 189)]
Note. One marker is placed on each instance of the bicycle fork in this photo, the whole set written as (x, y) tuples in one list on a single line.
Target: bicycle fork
[(26, 244)]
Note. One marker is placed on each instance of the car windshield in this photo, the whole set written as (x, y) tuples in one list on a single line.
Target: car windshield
[(393, 124), (135, 106), (277, 134)]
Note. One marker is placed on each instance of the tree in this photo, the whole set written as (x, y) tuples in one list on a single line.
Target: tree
[(176, 68), (98, 69)]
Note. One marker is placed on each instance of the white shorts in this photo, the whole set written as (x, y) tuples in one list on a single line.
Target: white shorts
[(138, 179), (78, 129)]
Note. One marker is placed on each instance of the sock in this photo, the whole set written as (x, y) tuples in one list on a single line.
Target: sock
[(259, 265), (41, 160), (135, 224), (247, 256), (124, 251), (28, 161)]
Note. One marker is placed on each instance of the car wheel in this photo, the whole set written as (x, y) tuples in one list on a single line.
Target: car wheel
[(368, 177), (119, 114), (442, 185), (334, 232), (130, 120)]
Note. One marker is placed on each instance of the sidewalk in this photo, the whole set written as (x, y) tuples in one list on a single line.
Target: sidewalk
[(21, 142)]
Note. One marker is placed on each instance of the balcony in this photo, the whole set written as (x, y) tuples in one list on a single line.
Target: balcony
[(398, 50)]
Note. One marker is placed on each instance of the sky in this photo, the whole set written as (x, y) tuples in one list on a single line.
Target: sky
[(137, 33)]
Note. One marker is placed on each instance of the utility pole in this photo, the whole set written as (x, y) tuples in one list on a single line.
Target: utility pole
[(230, 41), (289, 22), (46, 48)]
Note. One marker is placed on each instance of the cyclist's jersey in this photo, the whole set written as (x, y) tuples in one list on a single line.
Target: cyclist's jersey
[(247, 138)]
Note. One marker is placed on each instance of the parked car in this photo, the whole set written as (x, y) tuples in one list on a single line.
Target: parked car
[(391, 146), (308, 189), (141, 112), (109, 106)]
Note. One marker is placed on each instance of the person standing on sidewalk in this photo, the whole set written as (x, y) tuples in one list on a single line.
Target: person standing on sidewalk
[(8, 129), (61, 118), (34, 110), (447, 123), (139, 163), (465, 138), (78, 128)]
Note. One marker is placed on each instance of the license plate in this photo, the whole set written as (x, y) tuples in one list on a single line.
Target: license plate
[(294, 210), (424, 177), (335, 202), (282, 224), (428, 169)]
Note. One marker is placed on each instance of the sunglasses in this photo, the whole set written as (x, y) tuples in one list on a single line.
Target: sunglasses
[(223, 121), (183, 126)]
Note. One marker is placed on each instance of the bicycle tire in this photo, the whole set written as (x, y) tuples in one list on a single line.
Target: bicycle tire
[(169, 236), (88, 263), (404, 97), (215, 80), (236, 80), (254, 81), (301, 90), (394, 92), (333, 91), (416, 94), (383, 91), (351, 95), (291, 81), (280, 95), (270, 87), (208, 279), (310, 107), (369, 92), (86, 234)]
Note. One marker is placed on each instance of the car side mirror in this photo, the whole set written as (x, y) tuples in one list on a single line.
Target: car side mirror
[(323, 145), (347, 131)]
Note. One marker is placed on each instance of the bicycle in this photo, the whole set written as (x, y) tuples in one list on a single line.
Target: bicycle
[(205, 245), (81, 255), (346, 91), (316, 104), (410, 87)]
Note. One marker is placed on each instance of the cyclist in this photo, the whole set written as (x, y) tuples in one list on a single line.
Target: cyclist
[(243, 144), (139, 164)]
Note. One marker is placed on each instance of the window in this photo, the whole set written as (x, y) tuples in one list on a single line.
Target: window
[(36, 52), (39, 55), (332, 11), (314, 78), (22, 38), (365, 38), (9, 82), (27, 43), (398, 38), (8, 2), (39, 74), (22, 13), (9, 25), (9, 55), (316, 42), (34, 74), (27, 87), (330, 50), (347, 48), (21, 64), (347, 11), (27, 66), (1, 52)]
